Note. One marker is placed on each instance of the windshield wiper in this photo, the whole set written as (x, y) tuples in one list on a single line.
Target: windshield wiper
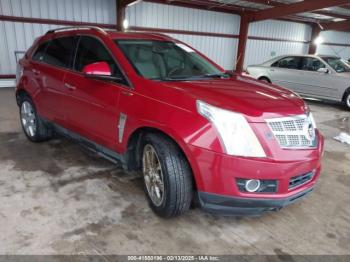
[(170, 78), (217, 75), (186, 78), (176, 78)]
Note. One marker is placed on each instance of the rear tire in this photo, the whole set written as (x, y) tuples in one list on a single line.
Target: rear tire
[(346, 100), (167, 176), (33, 126)]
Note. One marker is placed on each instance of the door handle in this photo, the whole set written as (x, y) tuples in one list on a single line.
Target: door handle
[(127, 93), (69, 87), (36, 72), (272, 70)]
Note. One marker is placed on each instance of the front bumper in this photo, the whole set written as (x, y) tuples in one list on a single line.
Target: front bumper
[(216, 178), (237, 206)]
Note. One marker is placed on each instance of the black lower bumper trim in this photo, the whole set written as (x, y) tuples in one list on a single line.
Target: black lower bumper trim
[(238, 206)]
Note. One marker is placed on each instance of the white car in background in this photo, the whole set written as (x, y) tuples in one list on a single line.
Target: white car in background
[(347, 62), (317, 76)]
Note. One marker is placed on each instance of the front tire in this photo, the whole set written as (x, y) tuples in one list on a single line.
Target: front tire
[(347, 100), (33, 126), (167, 176)]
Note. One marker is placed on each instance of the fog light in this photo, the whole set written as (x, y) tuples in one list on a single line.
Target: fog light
[(265, 185), (252, 185)]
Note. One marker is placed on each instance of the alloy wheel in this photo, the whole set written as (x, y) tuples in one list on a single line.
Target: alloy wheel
[(28, 119), (153, 175)]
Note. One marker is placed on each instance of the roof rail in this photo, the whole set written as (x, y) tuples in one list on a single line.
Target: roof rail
[(76, 28)]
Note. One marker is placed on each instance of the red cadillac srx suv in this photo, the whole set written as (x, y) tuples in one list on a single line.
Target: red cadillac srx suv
[(227, 143)]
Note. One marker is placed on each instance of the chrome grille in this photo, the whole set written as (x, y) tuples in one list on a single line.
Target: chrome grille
[(300, 180), (293, 132)]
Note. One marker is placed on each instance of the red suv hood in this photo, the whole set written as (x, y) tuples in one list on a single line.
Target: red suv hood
[(256, 100)]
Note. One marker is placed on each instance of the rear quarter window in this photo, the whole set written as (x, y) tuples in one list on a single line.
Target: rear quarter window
[(40, 52), (60, 51)]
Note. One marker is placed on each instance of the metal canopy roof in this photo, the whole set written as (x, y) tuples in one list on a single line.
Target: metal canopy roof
[(331, 11)]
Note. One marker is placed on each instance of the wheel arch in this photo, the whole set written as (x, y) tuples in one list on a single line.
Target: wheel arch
[(347, 91), (344, 98), (133, 151), (21, 93), (264, 77)]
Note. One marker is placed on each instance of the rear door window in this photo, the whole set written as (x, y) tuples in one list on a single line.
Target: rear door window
[(60, 52), (292, 62)]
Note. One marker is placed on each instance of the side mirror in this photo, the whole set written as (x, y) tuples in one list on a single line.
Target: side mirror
[(323, 70), (100, 71)]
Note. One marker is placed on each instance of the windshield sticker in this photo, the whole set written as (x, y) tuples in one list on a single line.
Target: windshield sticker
[(184, 47)]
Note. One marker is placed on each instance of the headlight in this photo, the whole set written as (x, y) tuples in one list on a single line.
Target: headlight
[(312, 120), (235, 133)]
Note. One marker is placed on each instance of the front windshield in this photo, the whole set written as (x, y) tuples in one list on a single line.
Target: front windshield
[(337, 64), (162, 60)]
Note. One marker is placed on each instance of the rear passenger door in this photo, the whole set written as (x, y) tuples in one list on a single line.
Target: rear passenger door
[(91, 106), (286, 72), (50, 68), (37, 79)]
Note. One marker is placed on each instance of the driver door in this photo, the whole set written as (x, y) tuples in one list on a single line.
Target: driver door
[(286, 73), (315, 83)]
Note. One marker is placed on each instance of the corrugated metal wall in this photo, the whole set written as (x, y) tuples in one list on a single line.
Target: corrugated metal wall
[(98, 11), (338, 38), (259, 51), (222, 50), (16, 37), (19, 36)]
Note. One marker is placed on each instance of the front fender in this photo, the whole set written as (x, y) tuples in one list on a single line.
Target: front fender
[(182, 124)]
